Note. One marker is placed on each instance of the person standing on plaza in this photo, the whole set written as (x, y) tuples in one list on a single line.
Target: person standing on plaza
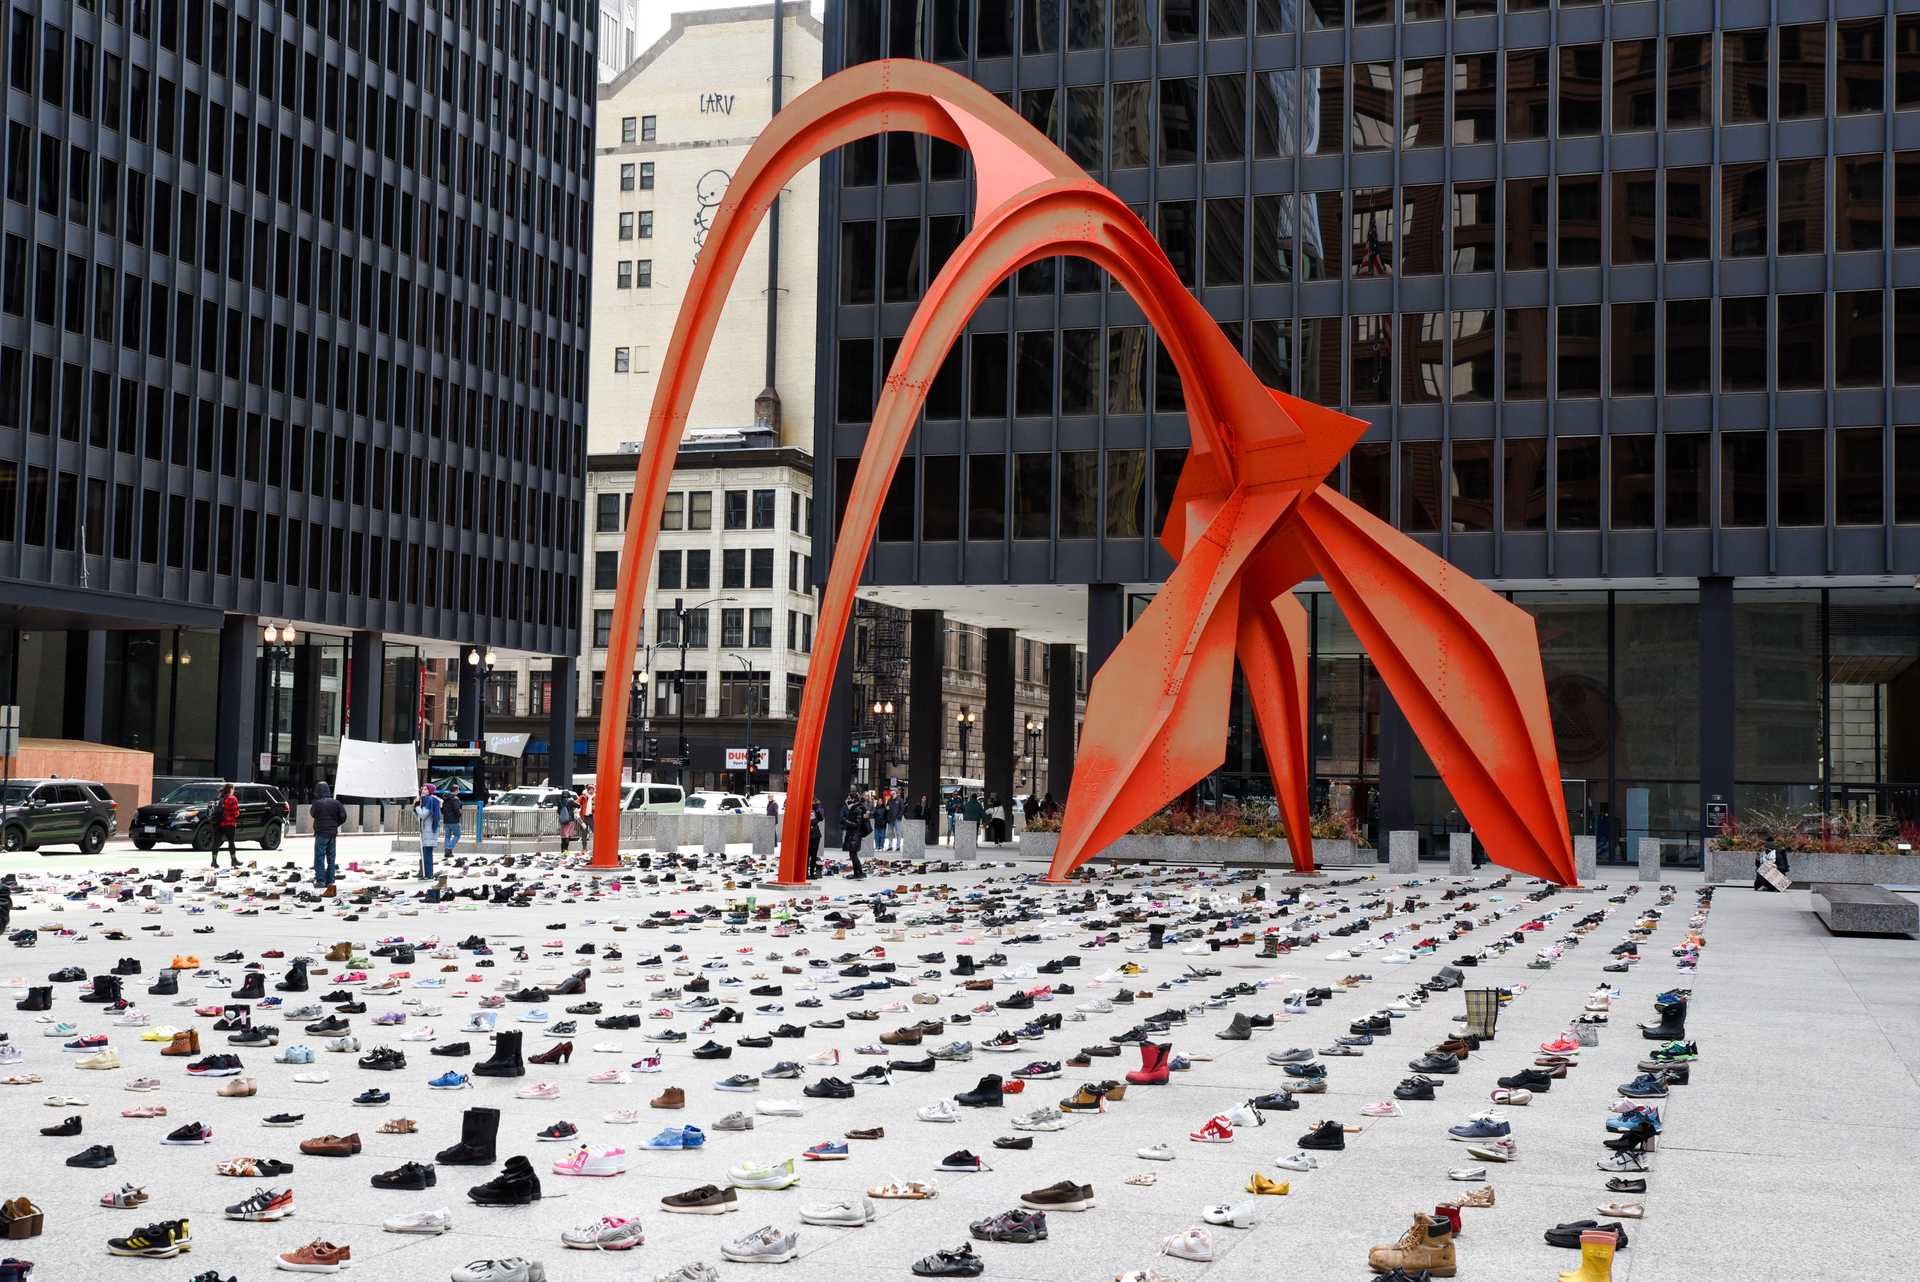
[(427, 810), (585, 828), (451, 808), (568, 813), (226, 823), (854, 825), (816, 822), (327, 814), (896, 810), (953, 817)]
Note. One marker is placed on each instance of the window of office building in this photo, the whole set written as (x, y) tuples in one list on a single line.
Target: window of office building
[(1372, 360), (1689, 345), (1276, 113), (1800, 463), (1423, 230), (1524, 483), (1858, 472), (1033, 385), (1529, 223), (1578, 350), (1079, 503), (1636, 217), (1906, 475), (1321, 220), (1032, 495), (1125, 494), (1582, 89), (1423, 354), (1858, 190), (1579, 220), (1689, 213), (1803, 71), (1270, 352), (1370, 479), (1689, 479), (1906, 336), (1420, 487), (859, 249), (1633, 480), (1800, 356), (986, 496), (1327, 85), (1577, 483), (1859, 65), (1634, 349), (1423, 102), (1126, 370), (1373, 118), (1743, 344), (1636, 85), (1476, 98), (1130, 142), (1743, 210), (1690, 80), (1226, 244), (1470, 487), (896, 511), (1743, 479), (1528, 88), (1179, 238), (1743, 76), (1802, 198), (1226, 117), (1473, 214), (1525, 334), (1179, 121), (1372, 233), (940, 499), (1317, 364), (1858, 334), (855, 382), (1474, 339)]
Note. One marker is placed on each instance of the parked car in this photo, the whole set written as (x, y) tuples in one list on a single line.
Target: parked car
[(529, 798), (185, 816), (57, 812), (726, 803), (655, 798)]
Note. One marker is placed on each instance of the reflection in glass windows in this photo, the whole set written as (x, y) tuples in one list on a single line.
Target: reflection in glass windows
[(1226, 240), (1857, 475), (1858, 192), (1079, 372), (1373, 127), (1688, 482), (1743, 479), (1179, 121), (1906, 336), (1423, 218), (1276, 114), (1273, 239), (1634, 348), (1579, 228), (1524, 484), (1318, 368), (1423, 355), (1126, 494), (1270, 352), (1132, 139), (1177, 236), (1689, 345), (1032, 495), (1803, 71), (1420, 487), (1743, 76), (1370, 478), (1743, 210), (1858, 338), (986, 496), (1527, 222), (991, 380), (1800, 463), (1581, 89), (1226, 117), (1859, 66), (1636, 85), (1079, 493), (1476, 97), (1033, 382), (1528, 105), (901, 281), (1801, 356), (1906, 475), (1525, 352), (1372, 360), (1577, 364), (1470, 494), (1324, 113), (1473, 349), (1689, 213), (1689, 80), (1636, 217), (1576, 504), (1086, 126), (1473, 213), (1322, 215), (1743, 344), (1372, 232), (1226, 19), (1423, 102), (1803, 207), (1126, 370), (1633, 481)]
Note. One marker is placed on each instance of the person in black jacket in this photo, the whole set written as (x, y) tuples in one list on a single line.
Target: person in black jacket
[(327, 815), (854, 825), (816, 820), (450, 808)]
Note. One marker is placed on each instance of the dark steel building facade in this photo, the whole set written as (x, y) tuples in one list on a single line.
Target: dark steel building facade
[(1628, 294), (293, 326)]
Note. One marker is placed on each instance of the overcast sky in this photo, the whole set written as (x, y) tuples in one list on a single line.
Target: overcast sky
[(655, 14)]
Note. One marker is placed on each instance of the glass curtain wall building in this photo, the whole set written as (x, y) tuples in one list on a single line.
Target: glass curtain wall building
[(1628, 294), (292, 327)]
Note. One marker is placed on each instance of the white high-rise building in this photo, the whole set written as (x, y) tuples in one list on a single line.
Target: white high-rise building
[(619, 35)]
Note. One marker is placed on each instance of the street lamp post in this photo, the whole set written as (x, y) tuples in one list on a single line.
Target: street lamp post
[(681, 612), (746, 666), (1032, 738), (964, 719), (482, 661), (279, 650), (882, 713), (637, 726)]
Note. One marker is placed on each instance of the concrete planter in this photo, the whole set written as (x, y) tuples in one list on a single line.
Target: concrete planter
[(1207, 850), (1807, 869)]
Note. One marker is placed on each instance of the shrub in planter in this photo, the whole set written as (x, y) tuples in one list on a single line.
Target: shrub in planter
[(1229, 821)]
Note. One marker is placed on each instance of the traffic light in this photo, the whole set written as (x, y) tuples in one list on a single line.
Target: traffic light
[(653, 748), (685, 756)]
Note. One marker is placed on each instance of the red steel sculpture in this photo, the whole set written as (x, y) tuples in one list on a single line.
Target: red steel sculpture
[(1250, 518)]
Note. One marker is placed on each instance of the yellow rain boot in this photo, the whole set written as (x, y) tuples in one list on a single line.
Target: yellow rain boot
[(1596, 1259)]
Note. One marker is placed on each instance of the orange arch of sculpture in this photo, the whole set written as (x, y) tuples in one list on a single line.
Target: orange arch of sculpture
[(1250, 519)]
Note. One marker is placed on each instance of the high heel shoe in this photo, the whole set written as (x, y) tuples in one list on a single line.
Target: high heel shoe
[(559, 1053)]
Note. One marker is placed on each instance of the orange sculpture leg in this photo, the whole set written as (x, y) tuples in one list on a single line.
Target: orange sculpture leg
[(1237, 527)]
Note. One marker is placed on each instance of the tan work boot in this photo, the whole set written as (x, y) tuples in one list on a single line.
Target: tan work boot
[(185, 1042), (1427, 1246), (672, 1097), (340, 951)]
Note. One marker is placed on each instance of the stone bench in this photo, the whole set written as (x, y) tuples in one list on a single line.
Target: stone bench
[(1865, 910)]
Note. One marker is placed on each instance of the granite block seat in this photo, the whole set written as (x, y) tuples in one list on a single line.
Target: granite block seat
[(1865, 910)]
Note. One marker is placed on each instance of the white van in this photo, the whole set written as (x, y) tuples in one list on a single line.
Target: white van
[(654, 798)]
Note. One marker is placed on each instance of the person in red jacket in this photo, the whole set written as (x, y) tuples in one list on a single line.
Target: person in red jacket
[(226, 820)]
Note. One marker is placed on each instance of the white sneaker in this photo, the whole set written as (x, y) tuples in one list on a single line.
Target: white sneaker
[(1238, 1215), (512, 1268), (1156, 1153), (1298, 1162), (763, 1175), (846, 1211), (1244, 1115), (623, 1117), (1040, 1119), (778, 1108), (437, 1221), (945, 1110), (824, 1059), (1190, 1244)]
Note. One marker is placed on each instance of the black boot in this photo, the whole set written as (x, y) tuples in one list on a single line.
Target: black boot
[(1240, 1030), (252, 988), (478, 1129), (505, 1060), (296, 980), (1156, 935), (36, 999), (165, 984), (106, 988), (1671, 1028), (986, 1095), (516, 1185)]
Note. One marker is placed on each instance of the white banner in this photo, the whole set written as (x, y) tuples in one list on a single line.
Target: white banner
[(737, 759), (370, 769), (507, 745)]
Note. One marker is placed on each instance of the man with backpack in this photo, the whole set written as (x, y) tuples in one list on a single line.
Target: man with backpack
[(450, 811)]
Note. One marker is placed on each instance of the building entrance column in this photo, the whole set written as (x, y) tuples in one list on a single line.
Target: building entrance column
[(1716, 702), (233, 731), (996, 725), (1063, 691), (1106, 624), (561, 715), (926, 713), (364, 659)]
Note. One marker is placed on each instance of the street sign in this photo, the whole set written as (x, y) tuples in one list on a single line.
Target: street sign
[(266, 762)]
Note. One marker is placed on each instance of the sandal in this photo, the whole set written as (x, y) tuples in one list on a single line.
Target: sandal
[(905, 1190), (1624, 1210), (1482, 1196), (273, 1166), (26, 1079), (1146, 1179), (398, 1126), (960, 1262), (125, 1199), (1515, 1097)]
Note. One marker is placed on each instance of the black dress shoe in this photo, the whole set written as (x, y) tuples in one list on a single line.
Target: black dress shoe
[(100, 1155), (460, 1049), (62, 1129), (1008, 1141), (413, 1175)]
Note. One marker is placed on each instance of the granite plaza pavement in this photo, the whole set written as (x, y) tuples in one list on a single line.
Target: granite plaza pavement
[(1794, 1153)]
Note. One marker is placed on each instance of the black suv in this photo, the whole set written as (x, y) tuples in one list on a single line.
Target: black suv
[(185, 817), (56, 812)]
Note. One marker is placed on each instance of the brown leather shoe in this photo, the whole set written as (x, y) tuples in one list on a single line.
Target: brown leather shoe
[(185, 1042), (1427, 1246), (340, 951), (317, 1257), (1454, 1046), (900, 1037), (331, 1146), (672, 1097)]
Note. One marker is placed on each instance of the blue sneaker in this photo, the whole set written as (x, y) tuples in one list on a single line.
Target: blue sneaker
[(1645, 1086), (294, 1055), (671, 1137), (1632, 1121), (535, 1017), (835, 1151), (692, 1137), (450, 1081), (1480, 1127)]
